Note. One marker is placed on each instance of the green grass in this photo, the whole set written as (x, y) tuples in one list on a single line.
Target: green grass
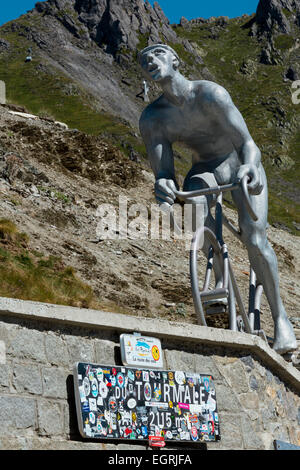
[(28, 275)]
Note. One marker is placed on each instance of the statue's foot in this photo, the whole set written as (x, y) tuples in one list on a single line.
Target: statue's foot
[(285, 339)]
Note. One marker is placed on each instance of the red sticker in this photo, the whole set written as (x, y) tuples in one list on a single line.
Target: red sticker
[(157, 441)]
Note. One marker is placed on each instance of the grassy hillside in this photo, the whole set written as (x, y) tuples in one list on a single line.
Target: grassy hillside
[(45, 91)]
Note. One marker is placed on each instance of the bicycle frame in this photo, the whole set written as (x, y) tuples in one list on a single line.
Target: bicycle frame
[(250, 322)]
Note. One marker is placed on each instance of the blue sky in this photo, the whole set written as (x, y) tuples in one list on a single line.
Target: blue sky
[(174, 9)]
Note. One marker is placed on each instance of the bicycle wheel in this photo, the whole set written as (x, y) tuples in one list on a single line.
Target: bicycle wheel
[(215, 257)]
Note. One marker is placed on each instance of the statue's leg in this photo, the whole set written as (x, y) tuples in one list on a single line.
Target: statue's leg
[(264, 262)]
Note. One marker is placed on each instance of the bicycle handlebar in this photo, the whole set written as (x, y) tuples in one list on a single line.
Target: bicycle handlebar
[(243, 184)]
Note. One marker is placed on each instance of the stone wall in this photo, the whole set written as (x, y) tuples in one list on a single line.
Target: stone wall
[(257, 391)]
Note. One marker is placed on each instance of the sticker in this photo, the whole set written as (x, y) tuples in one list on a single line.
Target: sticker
[(85, 407), (131, 403), (87, 387), (147, 391), (157, 393), (138, 374), (155, 353), (88, 430), (180, 377), (91, 376), (184, 406), (92, 418), (92, 404), (130, 375), (112, 404), (206, 383), (190, 381), (100, 375), (194, 433), (103, 390), (127, 431), (114, 371), (113, 380), (145, 376), (82, 393), (120, 380), (94, 386), (100, 401)]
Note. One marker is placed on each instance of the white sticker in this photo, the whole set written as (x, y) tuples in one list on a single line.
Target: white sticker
[(180, 377), (131, 403), (94, 387), (103, 390), (100, 375), (88, 431), (86, 385), (82, 393), (92, 404)]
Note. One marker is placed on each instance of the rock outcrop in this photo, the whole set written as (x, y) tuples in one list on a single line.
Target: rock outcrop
[(277, 15), (113, 23)]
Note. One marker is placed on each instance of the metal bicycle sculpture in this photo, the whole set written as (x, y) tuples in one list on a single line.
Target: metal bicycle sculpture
[(220, 299)]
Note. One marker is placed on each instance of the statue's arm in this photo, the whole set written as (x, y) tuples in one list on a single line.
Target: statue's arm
[(160, 154), (232, 123)]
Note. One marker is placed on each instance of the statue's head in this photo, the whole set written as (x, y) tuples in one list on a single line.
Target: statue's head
[(158, 61)]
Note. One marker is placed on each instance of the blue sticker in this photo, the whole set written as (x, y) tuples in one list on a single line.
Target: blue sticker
[(85, 407)]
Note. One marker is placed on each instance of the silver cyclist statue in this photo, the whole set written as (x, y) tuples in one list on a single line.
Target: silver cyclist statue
[(202, 115)]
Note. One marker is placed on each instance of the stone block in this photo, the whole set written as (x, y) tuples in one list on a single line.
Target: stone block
[(206, 365), (250, 437), (230, 429), (236, 376), (80, 349), (179, 360), (27, 344), (50, 418), (104, 352), (16, 413), (56, 350), (227, 400), (54, 382), (27, 378)]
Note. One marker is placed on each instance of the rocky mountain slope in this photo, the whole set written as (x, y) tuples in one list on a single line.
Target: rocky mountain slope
[(84, 72), (52, 179)]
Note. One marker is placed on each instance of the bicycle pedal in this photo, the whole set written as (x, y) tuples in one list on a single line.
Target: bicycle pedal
[(214, 309), (218, 296)]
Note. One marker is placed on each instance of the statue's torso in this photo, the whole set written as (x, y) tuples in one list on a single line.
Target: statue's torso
[(193, 124)]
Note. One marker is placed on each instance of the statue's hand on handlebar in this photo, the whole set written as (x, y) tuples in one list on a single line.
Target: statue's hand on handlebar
[(164, 191), (255, 185)]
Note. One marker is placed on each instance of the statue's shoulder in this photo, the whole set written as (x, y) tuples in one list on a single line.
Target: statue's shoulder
[(152, 115), (211, 93)]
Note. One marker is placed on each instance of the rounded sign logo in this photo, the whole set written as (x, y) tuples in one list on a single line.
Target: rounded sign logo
[(155, 353)]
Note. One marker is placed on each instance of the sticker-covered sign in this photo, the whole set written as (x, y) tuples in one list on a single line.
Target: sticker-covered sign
[(141, 351), (138, 404)]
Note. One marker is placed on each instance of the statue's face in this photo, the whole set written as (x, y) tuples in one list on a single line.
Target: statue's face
[(158, 63)]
